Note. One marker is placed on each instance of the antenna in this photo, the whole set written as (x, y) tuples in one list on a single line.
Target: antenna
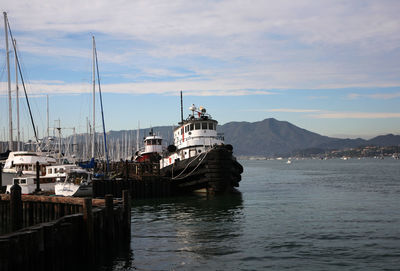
[(181, 108)]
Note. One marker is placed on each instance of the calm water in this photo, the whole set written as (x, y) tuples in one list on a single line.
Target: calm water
[(308, 215)]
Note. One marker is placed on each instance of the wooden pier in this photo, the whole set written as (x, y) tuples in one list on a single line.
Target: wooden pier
[(142, 180), (60, 233)]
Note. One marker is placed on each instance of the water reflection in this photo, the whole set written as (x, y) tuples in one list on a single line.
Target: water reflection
[(174, 232)]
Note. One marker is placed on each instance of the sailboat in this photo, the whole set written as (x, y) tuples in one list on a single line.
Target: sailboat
[(78, 182), (21, 162)]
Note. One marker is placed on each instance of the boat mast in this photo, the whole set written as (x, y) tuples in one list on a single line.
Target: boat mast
[(181, 108), (23, 83), (137, 136), (48, 119), (94, 100), (101, 105), (10, 139), (17, 93)]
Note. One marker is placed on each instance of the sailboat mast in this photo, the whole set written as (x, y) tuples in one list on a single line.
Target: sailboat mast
[(48, 119), (17, 97), (101, 106), (137, 137), (10, 139), (94, 99)]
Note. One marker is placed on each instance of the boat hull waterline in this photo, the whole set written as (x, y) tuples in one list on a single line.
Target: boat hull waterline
[(216, 171)]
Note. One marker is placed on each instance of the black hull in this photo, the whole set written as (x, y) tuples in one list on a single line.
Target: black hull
[(217, 171)]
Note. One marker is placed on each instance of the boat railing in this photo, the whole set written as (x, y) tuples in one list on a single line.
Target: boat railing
[(221, 136)]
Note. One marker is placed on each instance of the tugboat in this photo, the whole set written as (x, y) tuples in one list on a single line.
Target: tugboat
[(152, 149), (199, 159)]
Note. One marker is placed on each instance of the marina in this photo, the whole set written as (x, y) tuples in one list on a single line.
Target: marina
[(216, 135)]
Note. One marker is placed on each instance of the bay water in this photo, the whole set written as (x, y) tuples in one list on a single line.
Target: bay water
[(307, 215)]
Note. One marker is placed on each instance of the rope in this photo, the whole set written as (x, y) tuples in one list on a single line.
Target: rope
[(190, 173)]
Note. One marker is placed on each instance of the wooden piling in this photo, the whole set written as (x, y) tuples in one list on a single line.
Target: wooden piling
[(126, 170), (1, 178), (109, 217), (16, 207), (37, 177), (88, 225), (126, 201)]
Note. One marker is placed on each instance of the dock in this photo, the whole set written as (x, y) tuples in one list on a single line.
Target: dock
[(60, 233), (142, 180)]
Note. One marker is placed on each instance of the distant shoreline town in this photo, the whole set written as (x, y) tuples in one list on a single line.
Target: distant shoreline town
[(360, 152)]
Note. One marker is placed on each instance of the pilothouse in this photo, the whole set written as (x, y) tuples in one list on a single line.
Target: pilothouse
[(195, 135)]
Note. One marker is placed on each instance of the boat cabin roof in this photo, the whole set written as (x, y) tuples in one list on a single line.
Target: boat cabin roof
[(196, 120)]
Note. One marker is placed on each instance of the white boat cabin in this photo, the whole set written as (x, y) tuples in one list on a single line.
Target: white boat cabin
[(195, 135), (25, 162), (152, 143), (28, 185)]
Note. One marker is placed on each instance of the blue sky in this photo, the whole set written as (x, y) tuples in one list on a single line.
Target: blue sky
[(331, 67)]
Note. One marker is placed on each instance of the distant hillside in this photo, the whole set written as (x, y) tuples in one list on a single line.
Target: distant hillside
[(385, 140), (269, 137)]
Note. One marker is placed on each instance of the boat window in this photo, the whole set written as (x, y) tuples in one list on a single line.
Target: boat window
[(186, 128), (158, 141), (197, 126), (211, 126), (191, 127), (49, 171), (22, 181), (204, 126)]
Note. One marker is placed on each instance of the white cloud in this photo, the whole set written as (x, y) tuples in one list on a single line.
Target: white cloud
[(355, 115), (262, 44), (379, 96), (285, 110), (324, 114), (163, 88)]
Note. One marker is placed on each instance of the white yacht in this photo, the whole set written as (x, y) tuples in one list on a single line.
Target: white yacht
[(24, 163), (75, 182)]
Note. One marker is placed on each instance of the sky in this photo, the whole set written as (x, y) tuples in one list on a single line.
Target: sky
[(328, 66)]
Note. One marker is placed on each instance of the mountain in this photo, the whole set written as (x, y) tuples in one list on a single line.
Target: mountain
[(269, 137), (385, 140)]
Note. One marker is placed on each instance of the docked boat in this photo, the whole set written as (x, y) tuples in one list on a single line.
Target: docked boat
[(28, 185), (76, 182), (152, 150), (199, 158), (61, 180), (24, 163)]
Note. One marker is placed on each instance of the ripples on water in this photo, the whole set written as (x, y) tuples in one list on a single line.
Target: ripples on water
[(307, 215)]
